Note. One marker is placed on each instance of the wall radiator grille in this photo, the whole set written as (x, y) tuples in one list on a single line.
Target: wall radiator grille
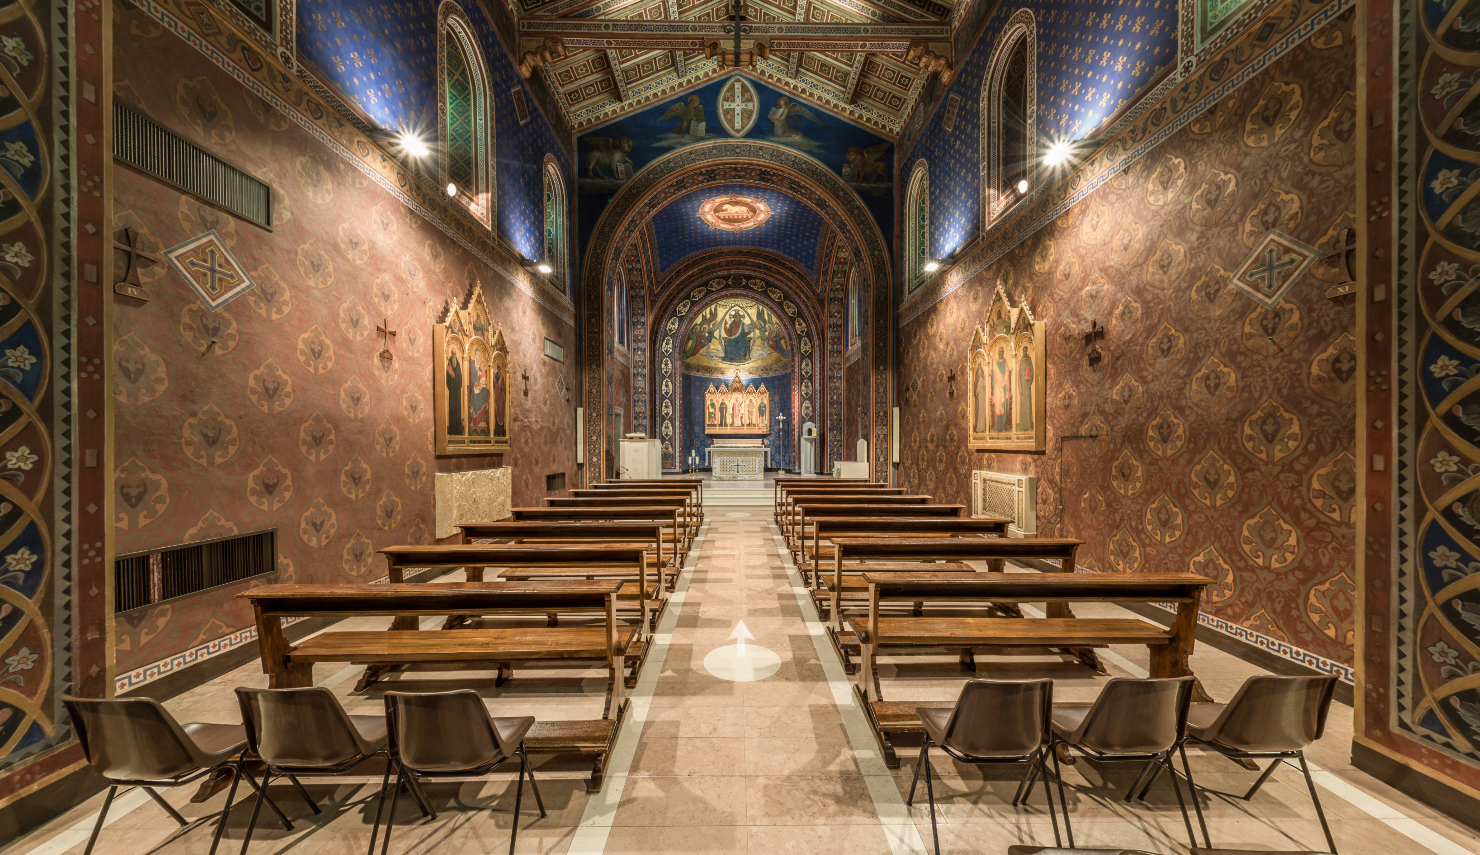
[(144, 579), (996, 494), (153, 149)]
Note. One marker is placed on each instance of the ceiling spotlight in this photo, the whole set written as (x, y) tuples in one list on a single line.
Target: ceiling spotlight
[(1057, 153), (451, 189), (412, 145), (1023, 186), (932, 266), (545, 268)]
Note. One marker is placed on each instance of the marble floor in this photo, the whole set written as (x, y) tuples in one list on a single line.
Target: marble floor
[(784, 764)]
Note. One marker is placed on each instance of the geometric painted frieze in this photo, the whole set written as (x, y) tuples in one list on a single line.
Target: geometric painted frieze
[(1274, 265), (211, 269)]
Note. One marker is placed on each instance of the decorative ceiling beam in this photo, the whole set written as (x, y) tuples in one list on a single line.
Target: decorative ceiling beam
[(796, 56), (850, 91), (617, 78), (918, 10), (580, 33)]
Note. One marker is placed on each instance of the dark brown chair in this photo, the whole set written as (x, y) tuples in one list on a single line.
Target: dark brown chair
[(307, 732), (136, 742), (1132, 719), (1270, 717), (451, 735), (1053, 850), (1198, 850), (993, 721)]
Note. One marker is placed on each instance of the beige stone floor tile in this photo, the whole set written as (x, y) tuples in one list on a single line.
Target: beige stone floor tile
[(669, 840), (808, 800), (693, 756), (838, 839), (806, 755), (691, 801)]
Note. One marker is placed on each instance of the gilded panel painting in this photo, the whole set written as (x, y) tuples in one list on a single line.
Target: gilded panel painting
[(1006, 388)]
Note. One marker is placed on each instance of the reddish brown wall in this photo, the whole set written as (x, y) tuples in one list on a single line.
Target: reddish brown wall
[(1148, 256), (210, 442)]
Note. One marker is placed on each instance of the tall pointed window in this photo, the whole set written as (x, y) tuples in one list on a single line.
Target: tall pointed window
[(917, 227), (466, 117), (557, 226), (1010, 124)]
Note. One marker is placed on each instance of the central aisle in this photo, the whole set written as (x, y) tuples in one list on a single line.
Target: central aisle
[(722, 766)]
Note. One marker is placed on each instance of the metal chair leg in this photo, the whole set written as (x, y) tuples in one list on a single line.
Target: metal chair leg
[(1177, 788), (1052, 817), (413, 787), (518, 799), (1262, 778), (1155, 771), (1028, 775), (168, 808), (1192, 788), (390, 821), (102, 814), (256, 809), (524, 756), (930, 795), (1063, 801), (282, 817), (298, 785), (919, 764), (1320, 814), (385, 781), (226, 809)]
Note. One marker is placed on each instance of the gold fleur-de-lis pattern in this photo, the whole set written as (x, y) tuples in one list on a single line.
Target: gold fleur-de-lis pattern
[(1226, 429)]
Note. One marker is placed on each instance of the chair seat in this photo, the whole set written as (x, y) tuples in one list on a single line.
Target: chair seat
[(511, 729), (220, 741), (373, 730), (935, 719), (1066, 718), (1200, 717)]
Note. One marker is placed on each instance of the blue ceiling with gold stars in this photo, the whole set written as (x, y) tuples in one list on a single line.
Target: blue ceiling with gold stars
[(1094, 59), (794, 229)]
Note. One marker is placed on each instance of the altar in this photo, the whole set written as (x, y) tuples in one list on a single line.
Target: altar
[(738, 459)]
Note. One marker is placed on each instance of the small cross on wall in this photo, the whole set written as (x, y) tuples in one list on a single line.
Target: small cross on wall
[(130, 286), (386, 334)]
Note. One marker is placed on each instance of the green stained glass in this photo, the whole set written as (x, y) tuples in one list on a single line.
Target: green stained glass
[(462, 147)]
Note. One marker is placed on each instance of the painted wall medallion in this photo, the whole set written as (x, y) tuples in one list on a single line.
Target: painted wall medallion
[(472, 383), (1274, 265), (737, 106), (734, 213), (210, 268)]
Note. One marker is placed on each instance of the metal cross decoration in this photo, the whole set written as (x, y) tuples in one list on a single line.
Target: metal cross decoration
[(737, 14), (386, 334), (130, 285), (781, 421)]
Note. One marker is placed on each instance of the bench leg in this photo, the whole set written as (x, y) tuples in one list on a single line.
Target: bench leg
[(367, 679), (886, 747), (968, 660), (505, 674), (552, 619)]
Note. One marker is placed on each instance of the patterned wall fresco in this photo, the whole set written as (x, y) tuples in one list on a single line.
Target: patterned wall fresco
[(35, 572), (288, 419), (1228, 428), (1423, 597), (383, 59)]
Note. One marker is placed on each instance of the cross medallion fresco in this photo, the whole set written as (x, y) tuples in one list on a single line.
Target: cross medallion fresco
[(737, 106), (210, 268), (1274, 265)]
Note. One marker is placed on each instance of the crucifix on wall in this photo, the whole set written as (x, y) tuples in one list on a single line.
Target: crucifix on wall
[(386, 334), (130, 286)]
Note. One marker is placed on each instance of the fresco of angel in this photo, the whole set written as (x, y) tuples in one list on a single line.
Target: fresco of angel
[(783, 113)]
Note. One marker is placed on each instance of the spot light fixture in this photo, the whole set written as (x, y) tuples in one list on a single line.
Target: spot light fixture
[(412, 144), (451, 189), (931, 266), (545, 268), (1022, 186), (1057, 153)]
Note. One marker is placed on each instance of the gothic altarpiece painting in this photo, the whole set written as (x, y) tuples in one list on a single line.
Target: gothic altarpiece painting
[(472, 383), (1006, 380), (737, 408)]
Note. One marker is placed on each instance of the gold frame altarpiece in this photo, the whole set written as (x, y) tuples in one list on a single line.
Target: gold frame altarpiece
[(468, 355), (1006, 381)]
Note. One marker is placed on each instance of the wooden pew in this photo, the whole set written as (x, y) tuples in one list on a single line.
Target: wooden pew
[(1170, 648), (790, 495), (794, 527), (647, 533), (690, 525), (995, 551), (825, 528), (291, 666), (694, 509), (781, 485), (693, 485), (670, 515), (696, 484)]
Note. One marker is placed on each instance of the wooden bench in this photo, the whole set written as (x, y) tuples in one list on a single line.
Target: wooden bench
[(648, 532), (669, 515), (824, 528), (806, 507), (1170, 648), (615, 503), (781, 485), (692, 506), (291, 666), (793, 521), (790, 497), (695, 484)]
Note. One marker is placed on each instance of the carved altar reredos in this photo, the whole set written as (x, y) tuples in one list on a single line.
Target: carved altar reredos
[(1006, 402), (737, 408)]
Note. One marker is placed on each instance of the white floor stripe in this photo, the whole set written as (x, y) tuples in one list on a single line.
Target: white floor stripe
[(899, 826), (601, 810), (77, 834), (1368, 804)]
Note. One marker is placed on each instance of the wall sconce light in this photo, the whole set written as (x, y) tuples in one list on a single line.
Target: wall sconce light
[(931, 266), (412, 144), (451, 189), (1058, 153), (1022, 186)]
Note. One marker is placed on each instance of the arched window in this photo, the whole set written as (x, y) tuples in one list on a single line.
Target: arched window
[(557, 226), (465, 115), (917, 227), (1009, 105)]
